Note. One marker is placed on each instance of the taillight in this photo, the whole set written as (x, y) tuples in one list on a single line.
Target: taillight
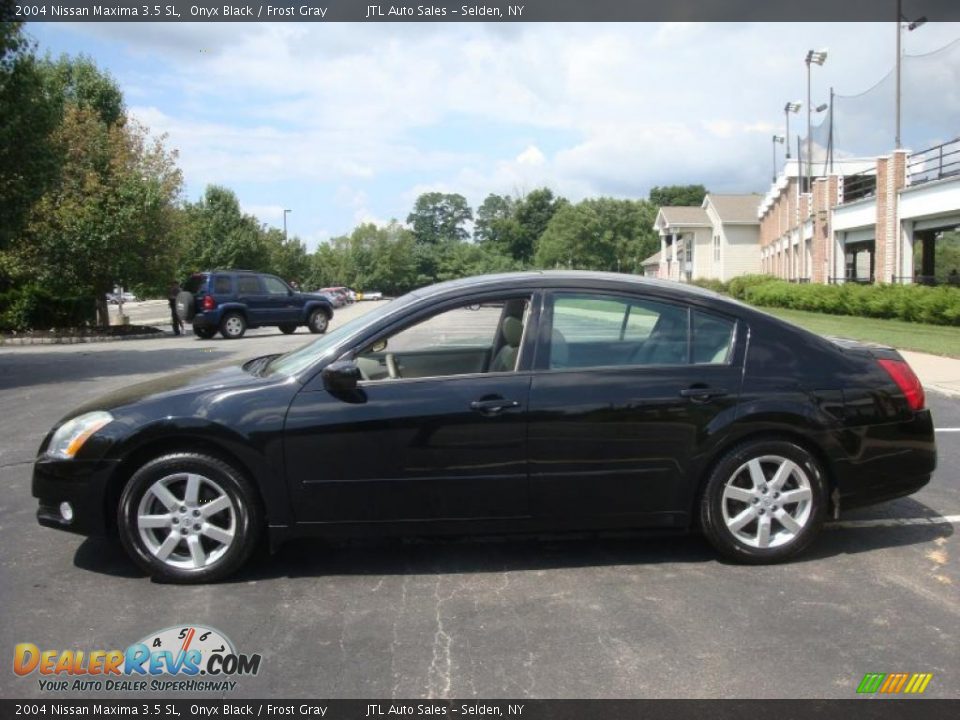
[(208, 302), (906, 380)]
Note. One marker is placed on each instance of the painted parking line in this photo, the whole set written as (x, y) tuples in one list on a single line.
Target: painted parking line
[(896, 522), (946, 429)]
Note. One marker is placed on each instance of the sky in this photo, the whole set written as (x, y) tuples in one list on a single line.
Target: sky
[(348, 123)]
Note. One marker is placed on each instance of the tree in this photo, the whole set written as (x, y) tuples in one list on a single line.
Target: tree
[(440, 217), (29, 113), (110, 216), (533, 213), (370, 258), (77, 81), (219, 235), (497, 226), (598, 234), (672, 195)]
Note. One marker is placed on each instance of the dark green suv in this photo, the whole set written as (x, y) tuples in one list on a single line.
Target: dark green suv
[(230, 301)]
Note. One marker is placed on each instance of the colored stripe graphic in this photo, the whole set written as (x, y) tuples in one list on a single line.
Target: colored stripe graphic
[(893, 683), (871, 682)]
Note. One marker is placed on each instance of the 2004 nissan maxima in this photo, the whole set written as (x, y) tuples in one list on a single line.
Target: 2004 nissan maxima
[(520, 402)]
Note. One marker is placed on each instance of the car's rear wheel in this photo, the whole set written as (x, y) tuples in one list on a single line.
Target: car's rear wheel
[(318, 321), (233, 326), (764, 502), (188, 518), (288, 329), (204, 333)]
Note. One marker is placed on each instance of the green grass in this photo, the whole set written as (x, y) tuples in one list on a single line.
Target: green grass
[(933, 339)]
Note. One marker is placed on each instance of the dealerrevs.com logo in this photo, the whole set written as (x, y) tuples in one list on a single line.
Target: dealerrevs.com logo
[(184, 658)]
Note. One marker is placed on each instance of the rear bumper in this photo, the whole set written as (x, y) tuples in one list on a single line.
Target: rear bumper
[(205, 320), (887, 461), (83, 484)]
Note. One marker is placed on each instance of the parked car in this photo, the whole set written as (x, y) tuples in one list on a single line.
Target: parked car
[(116, 297), (230, 301), (517, 402), (370, 295)]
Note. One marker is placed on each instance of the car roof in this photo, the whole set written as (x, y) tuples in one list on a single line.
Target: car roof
[(574, 279)]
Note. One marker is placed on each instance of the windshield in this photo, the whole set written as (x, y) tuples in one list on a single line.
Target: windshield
[(298, 360)]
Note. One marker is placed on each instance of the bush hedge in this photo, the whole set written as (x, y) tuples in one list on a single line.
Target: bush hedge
[(35, 308), (913, 303)]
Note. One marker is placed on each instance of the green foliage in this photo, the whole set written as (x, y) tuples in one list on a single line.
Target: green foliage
[(29, 113), (599, 234), (439, 217), (946, 256), (669, 195), (78, 82), (32, 307), (913, 303), (370, 258), (216, 234), (709, 284), (737, 287)]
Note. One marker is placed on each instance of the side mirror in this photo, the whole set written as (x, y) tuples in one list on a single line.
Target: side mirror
[(340, 378)]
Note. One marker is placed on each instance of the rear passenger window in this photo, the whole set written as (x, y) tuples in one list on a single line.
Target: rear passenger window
[(248, 286), (598, 331), (712, 338), (222, 285)]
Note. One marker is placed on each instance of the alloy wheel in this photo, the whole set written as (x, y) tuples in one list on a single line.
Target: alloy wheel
[(187, 521), (767, 501)]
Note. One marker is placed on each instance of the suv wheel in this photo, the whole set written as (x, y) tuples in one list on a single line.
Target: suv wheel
[(204, 333), (233, 326), (288, 329), (318, 321), (188, 518)]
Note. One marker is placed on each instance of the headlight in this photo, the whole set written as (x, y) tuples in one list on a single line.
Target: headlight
[(70, 437)]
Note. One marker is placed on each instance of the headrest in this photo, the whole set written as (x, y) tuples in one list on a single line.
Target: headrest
[(512, 331)]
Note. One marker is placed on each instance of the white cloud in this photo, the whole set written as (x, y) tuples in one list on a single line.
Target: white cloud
[(350, 105)]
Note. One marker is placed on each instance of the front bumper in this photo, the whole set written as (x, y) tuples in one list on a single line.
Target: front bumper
[(82, 483)]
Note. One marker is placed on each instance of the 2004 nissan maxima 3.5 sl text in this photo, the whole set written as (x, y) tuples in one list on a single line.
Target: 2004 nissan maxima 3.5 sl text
[(520, 402)]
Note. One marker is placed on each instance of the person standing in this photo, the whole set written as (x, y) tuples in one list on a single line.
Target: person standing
[(172, 300)]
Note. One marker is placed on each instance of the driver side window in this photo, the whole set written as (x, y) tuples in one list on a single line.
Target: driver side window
[(471, 338)]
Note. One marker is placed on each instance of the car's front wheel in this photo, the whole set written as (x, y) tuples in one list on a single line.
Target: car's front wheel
[(318, 321), (233, 326), (189, 518), (764, 502)]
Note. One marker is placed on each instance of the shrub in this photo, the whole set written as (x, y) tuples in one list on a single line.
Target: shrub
[(913, 303), (739, 285), (35, 308), (715, 285)]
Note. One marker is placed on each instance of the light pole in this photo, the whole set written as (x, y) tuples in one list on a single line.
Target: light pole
[(777, 139), (819, 57), (285, 224), (790, 107), (910, 27)]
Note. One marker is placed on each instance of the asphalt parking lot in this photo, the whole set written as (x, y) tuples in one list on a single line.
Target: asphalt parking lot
[(584, 617)]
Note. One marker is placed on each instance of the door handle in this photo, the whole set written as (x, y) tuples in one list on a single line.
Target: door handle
[(702, 394), (493, 406)]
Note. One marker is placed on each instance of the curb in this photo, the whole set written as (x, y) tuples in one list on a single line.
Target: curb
[(75, 340)]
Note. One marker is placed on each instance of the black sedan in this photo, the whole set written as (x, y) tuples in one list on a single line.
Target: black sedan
[(521, 402)]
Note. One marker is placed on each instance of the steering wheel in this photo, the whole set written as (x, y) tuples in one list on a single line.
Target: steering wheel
[(393, 370)]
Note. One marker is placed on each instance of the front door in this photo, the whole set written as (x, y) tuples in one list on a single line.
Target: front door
[(624, 398), (437, 431)]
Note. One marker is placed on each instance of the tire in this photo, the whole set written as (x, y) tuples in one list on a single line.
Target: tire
[(204, 333), (186, 306), (288, 329), (211, 545), (233, 325), (743, 513), (318, 321)]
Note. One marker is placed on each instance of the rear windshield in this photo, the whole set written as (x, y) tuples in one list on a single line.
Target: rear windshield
[(195, 282)]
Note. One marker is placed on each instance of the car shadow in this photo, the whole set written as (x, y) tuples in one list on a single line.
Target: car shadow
[(307, 557)]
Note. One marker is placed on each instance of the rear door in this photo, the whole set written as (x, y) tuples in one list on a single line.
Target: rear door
[(626, 392), (251, 293)]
